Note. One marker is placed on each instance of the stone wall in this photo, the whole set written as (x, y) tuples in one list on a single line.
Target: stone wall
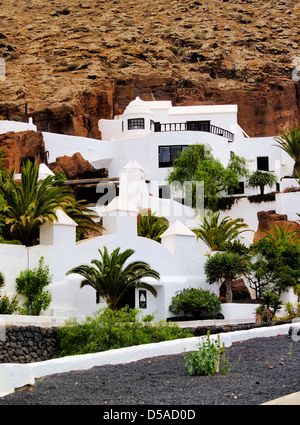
[(27, 344)]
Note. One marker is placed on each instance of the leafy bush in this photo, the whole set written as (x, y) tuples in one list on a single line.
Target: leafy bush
[(109, 329), (31, 284), (205, 361), (194, 301)]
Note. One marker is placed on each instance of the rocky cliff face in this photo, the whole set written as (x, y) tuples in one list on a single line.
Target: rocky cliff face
[(74, 62), (18, 147)]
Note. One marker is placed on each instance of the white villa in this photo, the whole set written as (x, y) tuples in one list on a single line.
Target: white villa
[(138, 147)]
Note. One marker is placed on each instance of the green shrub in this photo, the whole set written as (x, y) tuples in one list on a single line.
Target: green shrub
[(205, 361), (109, 329), (194, 301), (31, 284)]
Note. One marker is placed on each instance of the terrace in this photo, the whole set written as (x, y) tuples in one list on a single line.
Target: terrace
[(192, 126)]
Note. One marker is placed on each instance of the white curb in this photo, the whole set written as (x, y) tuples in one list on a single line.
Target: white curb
[(13, 375)]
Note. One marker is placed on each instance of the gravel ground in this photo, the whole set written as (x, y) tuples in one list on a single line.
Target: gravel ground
[(266, 371)]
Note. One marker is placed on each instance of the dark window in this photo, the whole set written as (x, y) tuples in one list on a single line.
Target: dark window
[(263, 163), (198, 125), (167, 154), (164, 192), (136, 124), (239, 190)]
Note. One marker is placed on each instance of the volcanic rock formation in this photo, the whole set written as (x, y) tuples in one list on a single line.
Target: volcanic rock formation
[(75, 62)]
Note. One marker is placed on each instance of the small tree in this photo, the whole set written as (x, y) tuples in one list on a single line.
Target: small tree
[(197, 164), (261, 179), (111, 278), (31, 284), (227, 266)]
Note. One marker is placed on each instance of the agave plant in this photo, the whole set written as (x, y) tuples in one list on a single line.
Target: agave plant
[(289, 141), (111, 278), (215, 234)]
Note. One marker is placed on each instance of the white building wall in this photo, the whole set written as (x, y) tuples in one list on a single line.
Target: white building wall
[(16, 126), (98, 152)]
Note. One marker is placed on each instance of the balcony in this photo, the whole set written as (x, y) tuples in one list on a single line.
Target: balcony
[(193, 126)]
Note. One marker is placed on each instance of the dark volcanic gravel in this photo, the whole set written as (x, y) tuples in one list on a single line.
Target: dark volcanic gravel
[(265, 371)]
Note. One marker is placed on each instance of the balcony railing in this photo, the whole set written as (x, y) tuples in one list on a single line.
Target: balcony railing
[(183, 126)]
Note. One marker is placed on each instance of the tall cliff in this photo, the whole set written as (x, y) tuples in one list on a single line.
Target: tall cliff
[(76, 61)]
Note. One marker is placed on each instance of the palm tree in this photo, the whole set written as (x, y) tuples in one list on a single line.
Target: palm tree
[(84, 218), (215, 234), (228, 266), (289, 141), (261, 179), (282, 233), (111, 278), (27, 206), (152, 227), (30, 204)]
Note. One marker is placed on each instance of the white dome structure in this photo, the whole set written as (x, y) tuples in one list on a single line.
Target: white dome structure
[(136, 119)]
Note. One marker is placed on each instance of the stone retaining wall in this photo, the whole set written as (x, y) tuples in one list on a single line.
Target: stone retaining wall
[(27, 344)]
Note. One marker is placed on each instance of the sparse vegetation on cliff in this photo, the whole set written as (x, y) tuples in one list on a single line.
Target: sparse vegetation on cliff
[(75, 62)]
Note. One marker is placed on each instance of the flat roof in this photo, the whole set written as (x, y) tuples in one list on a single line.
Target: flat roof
[(203, 109)]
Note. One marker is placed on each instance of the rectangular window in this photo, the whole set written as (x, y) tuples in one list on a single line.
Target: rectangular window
[(136, 124), (167, 154), (198, 125), (239, 190), (263, 163), (164, 192)]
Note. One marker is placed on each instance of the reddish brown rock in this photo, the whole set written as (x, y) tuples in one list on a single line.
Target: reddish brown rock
[(75, 167), (20, 146), (91, 62), (266, 219), (239, 290)]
